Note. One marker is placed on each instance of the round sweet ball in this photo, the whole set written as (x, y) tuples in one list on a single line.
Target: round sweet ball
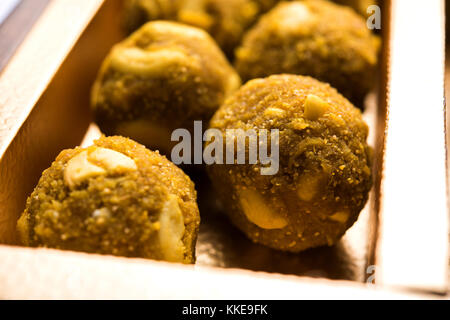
[(163, 77), (226, 21), (115, 197), (315, 38), (324, 163)]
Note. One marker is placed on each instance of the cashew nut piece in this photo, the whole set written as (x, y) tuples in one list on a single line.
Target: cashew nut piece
[(95, 162), (258, 212)]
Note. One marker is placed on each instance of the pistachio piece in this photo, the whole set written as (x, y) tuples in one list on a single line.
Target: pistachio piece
[(258, 212), (315, 107), (171, 230)]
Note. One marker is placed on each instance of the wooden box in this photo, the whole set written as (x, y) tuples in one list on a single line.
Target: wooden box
[(397, 249)]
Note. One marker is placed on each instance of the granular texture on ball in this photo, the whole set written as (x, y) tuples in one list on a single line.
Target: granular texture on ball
[(315, 38), (324, 174), (163, 77), (115, 197)]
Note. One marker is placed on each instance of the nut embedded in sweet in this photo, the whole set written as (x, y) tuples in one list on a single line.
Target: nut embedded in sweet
[(309, 185), (171, 230), (141, 62), (196, 18), (274, 112), (258, 212), (95, 162), (315, 107), (111, 160), (341, 216), (291, 18), (79, 169)]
